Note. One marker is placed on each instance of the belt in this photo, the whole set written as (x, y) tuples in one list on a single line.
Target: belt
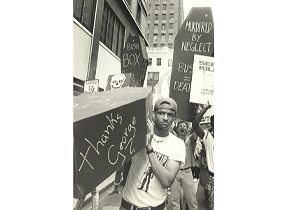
[(210, 173), (183, 169), (130, 206)]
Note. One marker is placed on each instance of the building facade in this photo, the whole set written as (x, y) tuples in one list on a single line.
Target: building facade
[(100, 30), (165, 18)]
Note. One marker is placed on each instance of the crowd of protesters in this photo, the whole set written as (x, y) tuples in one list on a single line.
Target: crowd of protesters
[(178, 155)]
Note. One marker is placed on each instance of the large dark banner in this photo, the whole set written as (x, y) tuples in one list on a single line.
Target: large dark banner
[(196, 36), (109, 128), (135, 58)]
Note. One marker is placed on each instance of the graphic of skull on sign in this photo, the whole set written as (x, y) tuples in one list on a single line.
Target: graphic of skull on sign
[(117, 81)]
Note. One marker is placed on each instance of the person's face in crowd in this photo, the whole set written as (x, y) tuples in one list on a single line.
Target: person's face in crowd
[(182, 129), (164, 118)]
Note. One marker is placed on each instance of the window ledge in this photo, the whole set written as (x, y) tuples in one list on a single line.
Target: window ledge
[(81, 26)]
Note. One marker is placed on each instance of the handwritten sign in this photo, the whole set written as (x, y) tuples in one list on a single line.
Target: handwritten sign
[(91, 86), (196, 36), (116, 81), (135, 58), (202, 86), (109, 128)]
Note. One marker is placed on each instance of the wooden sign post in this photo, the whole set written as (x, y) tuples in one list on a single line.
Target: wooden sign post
[(196, 36), (109, 129), (135, 58)]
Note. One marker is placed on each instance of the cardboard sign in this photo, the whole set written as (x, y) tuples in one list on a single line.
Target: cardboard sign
[(116, 81), (202, 86), (109, 129), (135, 58), (196, 36), (91, 86)]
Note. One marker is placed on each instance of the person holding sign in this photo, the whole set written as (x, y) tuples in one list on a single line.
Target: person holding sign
[(207, 140), (154, 168), (184, 177)]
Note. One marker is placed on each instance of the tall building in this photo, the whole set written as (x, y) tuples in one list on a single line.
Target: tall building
[(100, 30), (165, 18)]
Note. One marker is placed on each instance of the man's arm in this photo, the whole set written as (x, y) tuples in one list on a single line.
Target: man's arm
[(166, 175), (197, 120)]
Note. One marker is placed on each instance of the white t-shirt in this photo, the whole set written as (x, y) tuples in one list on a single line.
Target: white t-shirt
[(142, 188), (209, 148)]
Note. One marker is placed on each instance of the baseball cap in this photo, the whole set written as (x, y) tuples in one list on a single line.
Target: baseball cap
[(165, 103)]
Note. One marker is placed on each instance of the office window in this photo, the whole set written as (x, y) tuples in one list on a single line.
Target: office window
[(162, 36), (154, 45), (156, 6), (170, 25), (170, 45), (155, 37), (112, 31), (83, 11), (163, 16), (171, 16), (150, 61), (138, 15), (158, 62), (171, 6), (147, 36), (164, 6), (170, 36), (155, 26), (169, 62), (148, 27), (162, 45), (163, 26), (156, 16)]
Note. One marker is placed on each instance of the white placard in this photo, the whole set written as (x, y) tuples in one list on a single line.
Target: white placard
[(91, 86), (202, 84)]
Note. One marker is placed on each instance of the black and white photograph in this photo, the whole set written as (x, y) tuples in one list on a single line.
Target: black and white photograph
[(110, 104), (142, 139)]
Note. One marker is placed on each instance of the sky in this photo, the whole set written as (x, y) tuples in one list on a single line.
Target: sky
[(188, 4)]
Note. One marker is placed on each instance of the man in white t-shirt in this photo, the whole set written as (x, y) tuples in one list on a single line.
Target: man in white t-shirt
[(184, 177), (207, 138), (154, 168)]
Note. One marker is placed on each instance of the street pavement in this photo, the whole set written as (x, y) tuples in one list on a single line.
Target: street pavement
[(113, 201)]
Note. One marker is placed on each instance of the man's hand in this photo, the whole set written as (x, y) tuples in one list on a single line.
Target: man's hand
[(207, 106), (150, 132)]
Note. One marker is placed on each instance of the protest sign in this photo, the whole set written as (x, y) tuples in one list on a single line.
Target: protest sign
[(196, 36), (91, 86), (109, 129), (135, 58), (202, 85), (116, 81)]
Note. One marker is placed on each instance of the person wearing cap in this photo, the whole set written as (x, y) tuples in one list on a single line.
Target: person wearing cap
[(154, 168), (184, 177), (206, 139)]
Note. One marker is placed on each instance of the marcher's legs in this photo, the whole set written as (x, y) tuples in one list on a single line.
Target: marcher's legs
[(126, 171), (210, 184), (189, 189), (176, 192)]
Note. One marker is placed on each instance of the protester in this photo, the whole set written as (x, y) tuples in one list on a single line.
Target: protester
[(184, 176), (154, 168), (207, 140)]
